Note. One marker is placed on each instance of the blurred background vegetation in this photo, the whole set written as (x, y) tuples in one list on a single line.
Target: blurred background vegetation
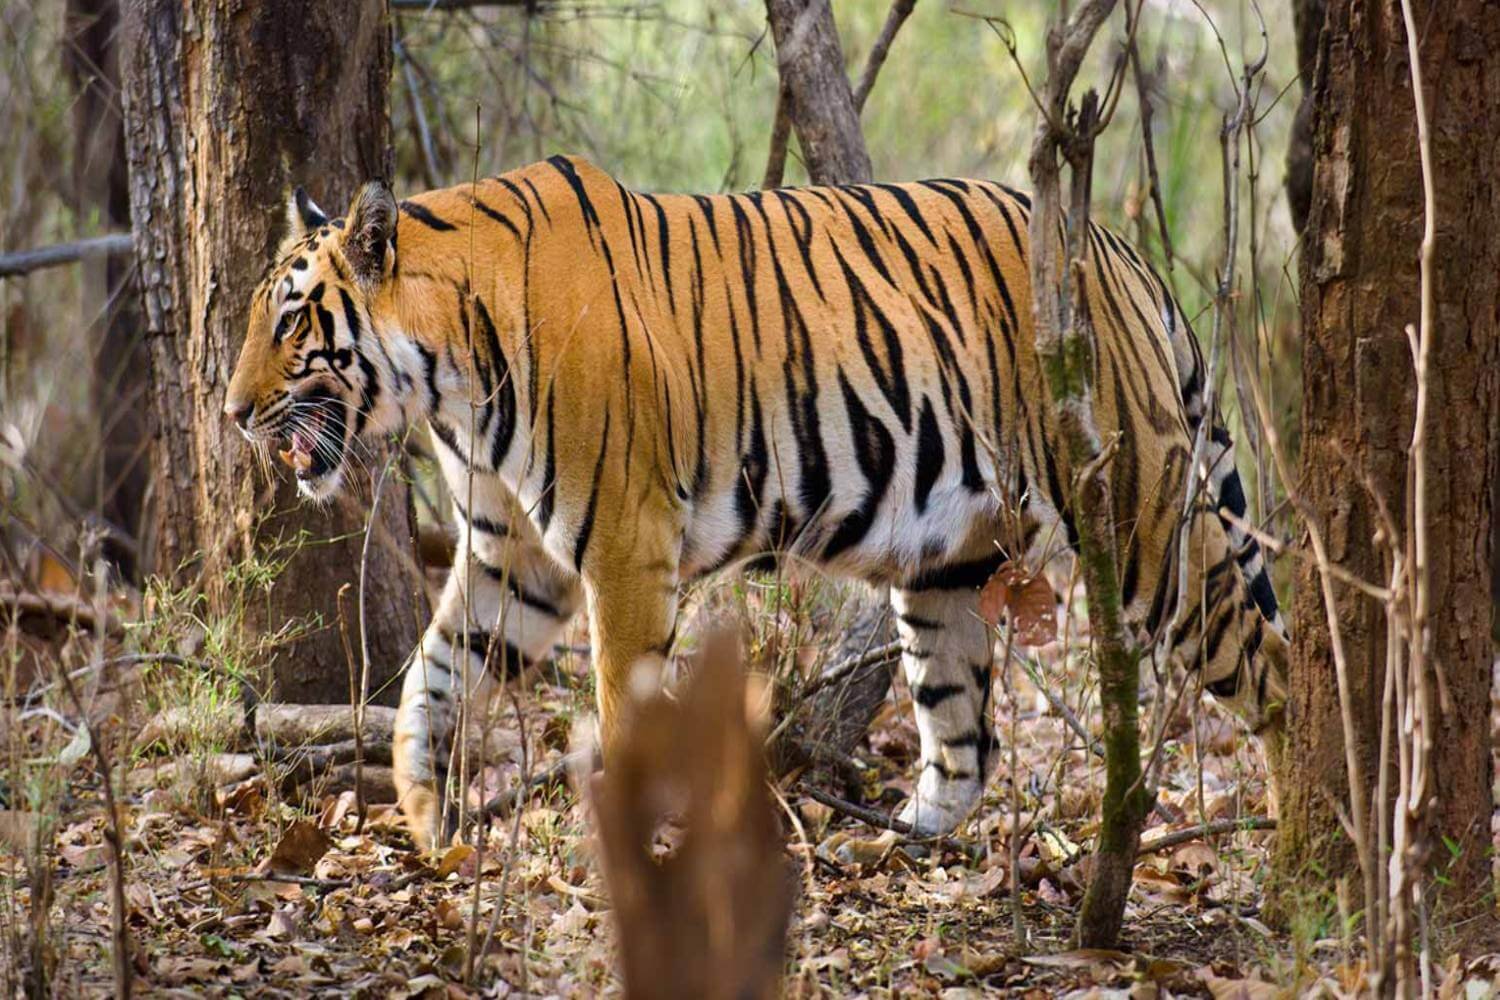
[(679, 95)]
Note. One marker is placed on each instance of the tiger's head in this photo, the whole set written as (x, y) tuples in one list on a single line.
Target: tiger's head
[(312, 376)]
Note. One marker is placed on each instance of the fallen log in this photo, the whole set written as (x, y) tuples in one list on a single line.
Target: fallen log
[(379, 783), (830, 716), (275, 725)]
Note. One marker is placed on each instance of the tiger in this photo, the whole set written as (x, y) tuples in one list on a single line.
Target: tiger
[(628, 392)]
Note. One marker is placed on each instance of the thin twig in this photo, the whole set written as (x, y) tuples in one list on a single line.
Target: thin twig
[(361, 806), (1143, 99), (879, 655), (114, 838), (302, 880), (507, 800), (870, 817), (1177, 838), (430, 172)]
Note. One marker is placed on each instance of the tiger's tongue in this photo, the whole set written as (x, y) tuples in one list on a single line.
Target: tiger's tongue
[(299, 455)]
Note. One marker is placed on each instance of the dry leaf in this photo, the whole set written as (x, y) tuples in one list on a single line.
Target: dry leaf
[(1238, 989), (450, 914), (1081, 958), (300, 848), (1026, 598), (1196, 858), (281, 925), (455, 856)]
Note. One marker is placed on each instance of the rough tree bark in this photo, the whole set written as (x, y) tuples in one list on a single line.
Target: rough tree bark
[(1360, 288), (100, 187), (819, 99), (227, 106)]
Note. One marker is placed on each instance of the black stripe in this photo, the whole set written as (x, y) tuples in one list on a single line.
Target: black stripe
[(909, 206), (917, 621), (746, 241), (890, 375), (587, 527), (875, 451), (803, 235), (585, 205), (930, 457), (969, 575), (754, 466), (548, 500), (497, 216), (529, 598), (426, 218), (504, 389), (948, 773), (481, 523), (975, 738), (663, 236), (933, 695)]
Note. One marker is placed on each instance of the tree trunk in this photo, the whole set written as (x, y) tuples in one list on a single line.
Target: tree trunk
[(1360, 288), (100, 188), (822, 107), (227, 106), (1307, 17)]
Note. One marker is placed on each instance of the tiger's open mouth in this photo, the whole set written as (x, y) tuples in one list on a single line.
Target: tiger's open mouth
[(312, 438)]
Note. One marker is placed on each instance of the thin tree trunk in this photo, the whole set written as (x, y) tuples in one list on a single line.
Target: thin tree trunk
[(227, 106), (1360, 289), (823, 112)]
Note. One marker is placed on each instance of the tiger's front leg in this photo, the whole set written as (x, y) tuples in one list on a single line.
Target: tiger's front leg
[(518, 604)]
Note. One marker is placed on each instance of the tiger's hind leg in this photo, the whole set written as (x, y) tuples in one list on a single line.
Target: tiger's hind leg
[(947, 654)]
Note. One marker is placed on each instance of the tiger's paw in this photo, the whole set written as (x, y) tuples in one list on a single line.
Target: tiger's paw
[(939, 804)]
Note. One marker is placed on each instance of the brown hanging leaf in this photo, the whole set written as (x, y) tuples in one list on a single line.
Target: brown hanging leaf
[(1027, 598), (300, 848)]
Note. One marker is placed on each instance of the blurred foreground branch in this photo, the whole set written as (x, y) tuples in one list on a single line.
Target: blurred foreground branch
[(711, 919)]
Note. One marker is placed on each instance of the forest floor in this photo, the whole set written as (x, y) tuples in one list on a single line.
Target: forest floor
[(366, 915)]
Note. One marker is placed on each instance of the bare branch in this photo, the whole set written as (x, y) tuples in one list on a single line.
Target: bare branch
[(899, 12), (781, 131), (26, 261), (1143, 99), (1177, 838)]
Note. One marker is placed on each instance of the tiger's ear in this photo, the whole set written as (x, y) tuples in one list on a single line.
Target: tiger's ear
[(369, 232), (302, 216)]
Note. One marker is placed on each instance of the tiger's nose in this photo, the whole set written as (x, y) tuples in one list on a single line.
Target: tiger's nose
[(240, 412)]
